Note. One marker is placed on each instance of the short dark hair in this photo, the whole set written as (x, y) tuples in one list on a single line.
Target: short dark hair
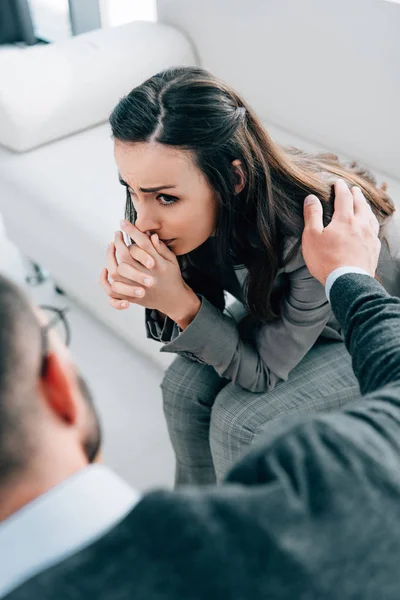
[(20, 356)]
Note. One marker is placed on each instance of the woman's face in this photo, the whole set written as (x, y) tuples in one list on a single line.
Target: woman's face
[(169, 193)]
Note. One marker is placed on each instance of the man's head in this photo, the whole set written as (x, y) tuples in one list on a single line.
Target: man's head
[(48, 425)]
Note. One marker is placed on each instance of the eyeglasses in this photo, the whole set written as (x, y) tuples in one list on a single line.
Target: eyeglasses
[(55, 319)]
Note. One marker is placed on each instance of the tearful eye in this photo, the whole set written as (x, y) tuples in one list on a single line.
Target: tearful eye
[(166, 200)]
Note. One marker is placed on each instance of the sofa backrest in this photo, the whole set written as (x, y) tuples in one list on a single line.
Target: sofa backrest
[(54, 90), (326, 70)]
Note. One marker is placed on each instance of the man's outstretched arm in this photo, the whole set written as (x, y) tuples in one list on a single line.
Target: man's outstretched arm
[(369, 317)]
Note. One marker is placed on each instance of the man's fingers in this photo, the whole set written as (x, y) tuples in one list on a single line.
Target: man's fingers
[(363, 210), (361, 206), (344, 204), (313, 213), (375, 224)]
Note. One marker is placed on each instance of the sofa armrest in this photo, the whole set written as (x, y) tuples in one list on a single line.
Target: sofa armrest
[(51, 91)]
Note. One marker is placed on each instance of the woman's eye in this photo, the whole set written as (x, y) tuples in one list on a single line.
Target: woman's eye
[(166, 200)]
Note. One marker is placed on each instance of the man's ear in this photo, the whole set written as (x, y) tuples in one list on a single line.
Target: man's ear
[(58, 389), (239, 174)]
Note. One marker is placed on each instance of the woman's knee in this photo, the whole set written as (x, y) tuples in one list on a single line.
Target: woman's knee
[(175, 375), (187, 382), (323, 382)]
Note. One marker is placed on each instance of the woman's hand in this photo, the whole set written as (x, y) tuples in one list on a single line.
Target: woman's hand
[(148, 274)]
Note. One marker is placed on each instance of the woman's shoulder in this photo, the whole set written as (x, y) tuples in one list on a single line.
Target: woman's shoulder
[(292, 255)]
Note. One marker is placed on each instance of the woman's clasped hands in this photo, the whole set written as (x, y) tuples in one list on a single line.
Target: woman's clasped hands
[(147, 273)]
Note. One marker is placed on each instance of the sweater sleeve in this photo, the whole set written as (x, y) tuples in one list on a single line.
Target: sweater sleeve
[(371, 326)]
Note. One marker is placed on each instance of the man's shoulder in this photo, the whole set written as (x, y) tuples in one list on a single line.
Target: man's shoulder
[(166, 542), (164, 529), (107, 559)]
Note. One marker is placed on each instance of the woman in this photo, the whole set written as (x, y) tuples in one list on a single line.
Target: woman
[(218, 206)]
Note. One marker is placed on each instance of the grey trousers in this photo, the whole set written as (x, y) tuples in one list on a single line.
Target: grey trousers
[(211, 421)]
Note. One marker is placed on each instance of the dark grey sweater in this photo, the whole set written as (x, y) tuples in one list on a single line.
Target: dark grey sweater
[(312, 512)]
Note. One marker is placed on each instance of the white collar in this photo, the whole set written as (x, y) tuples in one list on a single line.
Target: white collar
[(61, 522)]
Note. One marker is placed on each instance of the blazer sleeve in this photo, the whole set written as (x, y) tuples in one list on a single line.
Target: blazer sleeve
[(258, 357)]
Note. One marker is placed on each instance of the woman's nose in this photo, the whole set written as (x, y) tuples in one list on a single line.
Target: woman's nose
[(146, 220)]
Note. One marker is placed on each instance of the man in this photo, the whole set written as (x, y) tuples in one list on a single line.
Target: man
[(312, 513)]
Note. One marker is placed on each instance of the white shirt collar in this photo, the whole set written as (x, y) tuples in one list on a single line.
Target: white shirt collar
[(61, 522)]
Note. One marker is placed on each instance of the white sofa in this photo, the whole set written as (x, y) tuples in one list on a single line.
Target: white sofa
[(321, 76)]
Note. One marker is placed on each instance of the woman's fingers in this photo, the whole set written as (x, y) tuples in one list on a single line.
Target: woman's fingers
[(104, 282), (112, 264), (141, 239), (111, 261), (121, 248), (141, 250), (129, 291), (141, 256), (124, 269), (116, 303), (126, 254), (134, 275), (162, 248)]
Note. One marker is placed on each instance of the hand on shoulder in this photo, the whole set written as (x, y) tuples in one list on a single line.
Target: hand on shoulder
[(350, 239)]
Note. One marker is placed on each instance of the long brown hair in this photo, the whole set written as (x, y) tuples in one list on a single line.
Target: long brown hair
[(189, 108)]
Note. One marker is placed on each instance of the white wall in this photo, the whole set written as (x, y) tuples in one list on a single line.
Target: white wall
[(119, 12), (325, 70)]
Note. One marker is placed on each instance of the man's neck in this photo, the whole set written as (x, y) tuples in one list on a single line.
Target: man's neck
[(26, 486)]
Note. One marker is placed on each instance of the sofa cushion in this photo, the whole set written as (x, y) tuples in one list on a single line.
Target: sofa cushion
[(50, 91)]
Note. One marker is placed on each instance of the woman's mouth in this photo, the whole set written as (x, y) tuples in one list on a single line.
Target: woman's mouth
[(168, 242)]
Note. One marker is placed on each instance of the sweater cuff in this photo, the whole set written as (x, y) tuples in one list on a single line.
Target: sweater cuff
[(338, 273), (347, 289)]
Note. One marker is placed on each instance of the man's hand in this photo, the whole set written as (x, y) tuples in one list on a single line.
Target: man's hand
[(350, 240)]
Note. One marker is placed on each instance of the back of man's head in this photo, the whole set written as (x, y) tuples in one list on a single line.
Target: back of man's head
[(20, 354), (49, 428)]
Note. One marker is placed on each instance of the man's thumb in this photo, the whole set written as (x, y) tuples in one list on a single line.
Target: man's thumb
[(313, 213)]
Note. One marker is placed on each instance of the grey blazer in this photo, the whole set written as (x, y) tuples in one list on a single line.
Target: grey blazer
[(257, 355)]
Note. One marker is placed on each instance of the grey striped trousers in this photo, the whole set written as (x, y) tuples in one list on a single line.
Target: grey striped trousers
[(211, 421)]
